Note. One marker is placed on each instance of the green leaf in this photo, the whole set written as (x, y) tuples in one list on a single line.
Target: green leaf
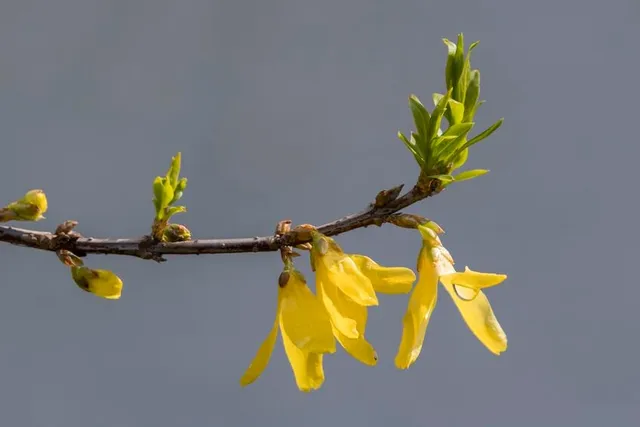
[(437, 97), (449, 151), (174, 170), (411, 147), (436, 116), (449, 72), (467, 175), (420, 117), (482, 135), (163, 194), (444, 178), (455, 131), (459, 85), (453, 138), (174, 210), (460, 159), (179, 190), (182, 184), (456, 111), (471, 99)]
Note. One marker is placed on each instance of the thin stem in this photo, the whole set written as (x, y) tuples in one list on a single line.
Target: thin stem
[(146, 248)]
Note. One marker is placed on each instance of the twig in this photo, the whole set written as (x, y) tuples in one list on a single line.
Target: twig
[(145, 248)]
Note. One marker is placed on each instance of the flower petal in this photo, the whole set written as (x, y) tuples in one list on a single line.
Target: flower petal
[(307, 367), (303, 317), (329, 259), (442, 260), (359, 348), (328, 293), (315, 370), (473, 279), (343, 272), (419, 309), (389, 280), (262, 357), (479, 317)]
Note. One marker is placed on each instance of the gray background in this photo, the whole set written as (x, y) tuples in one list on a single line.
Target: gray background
[(290, 109)]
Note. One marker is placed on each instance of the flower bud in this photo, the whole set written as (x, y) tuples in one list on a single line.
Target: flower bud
[(28, 208), (176, 233)]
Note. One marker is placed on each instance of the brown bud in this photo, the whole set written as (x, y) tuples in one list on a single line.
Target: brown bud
[(303, 232), (387, 196), (283, 227), (406, 220), (69, 259), (283, 279), (66, 227)]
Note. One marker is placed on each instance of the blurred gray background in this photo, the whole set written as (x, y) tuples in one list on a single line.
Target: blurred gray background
[(289, 109)]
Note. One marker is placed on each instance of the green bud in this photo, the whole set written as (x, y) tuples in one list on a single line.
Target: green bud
[(176, 233)]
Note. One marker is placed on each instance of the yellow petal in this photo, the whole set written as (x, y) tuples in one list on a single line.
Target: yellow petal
[(479, 317), (304, 318), (341, 270), (37, 198), (307, 367), (429, 235), (29, 208), (315, 370), (473, 279), (388, 280), (102, 283), (346, 314), (359, 348), (108, 285), (442, 260), (419, 309), (262, 357), (328, 293)]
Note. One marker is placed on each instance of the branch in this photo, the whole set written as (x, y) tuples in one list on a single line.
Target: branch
[(146, 248)]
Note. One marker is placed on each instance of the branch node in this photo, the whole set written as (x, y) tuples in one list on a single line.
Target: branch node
[(384, 197), (66, 227)]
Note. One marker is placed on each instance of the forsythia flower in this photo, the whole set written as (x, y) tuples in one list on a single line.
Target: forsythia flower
[(306, 333), (436, 264), (28, 208), (102, 283), (346, 285)]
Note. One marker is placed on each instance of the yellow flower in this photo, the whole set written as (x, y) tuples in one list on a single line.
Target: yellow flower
[(28, 208), (102, 283), (465, 288), (346, 285), (306, 334)]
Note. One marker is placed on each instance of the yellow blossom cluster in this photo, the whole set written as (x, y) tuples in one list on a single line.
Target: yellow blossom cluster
[(346, 285)]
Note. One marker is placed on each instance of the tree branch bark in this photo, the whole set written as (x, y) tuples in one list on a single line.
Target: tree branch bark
[(145, 248)]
